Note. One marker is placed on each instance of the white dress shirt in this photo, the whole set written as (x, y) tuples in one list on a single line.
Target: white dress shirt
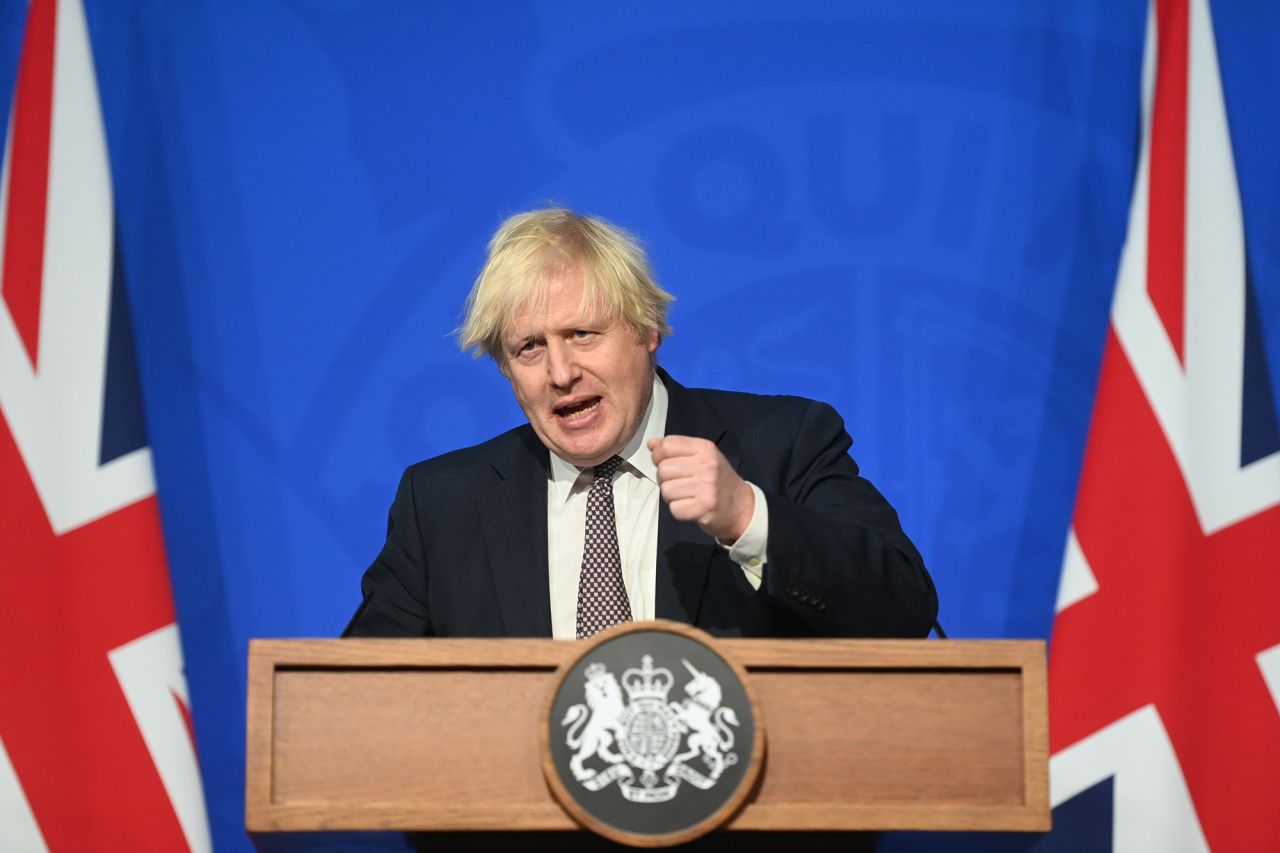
[(636, 497)]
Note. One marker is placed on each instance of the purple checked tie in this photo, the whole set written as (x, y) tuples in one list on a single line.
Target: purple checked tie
[(602, 596)]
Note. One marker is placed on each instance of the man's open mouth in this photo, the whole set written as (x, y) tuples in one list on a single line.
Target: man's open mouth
[(577, 410)]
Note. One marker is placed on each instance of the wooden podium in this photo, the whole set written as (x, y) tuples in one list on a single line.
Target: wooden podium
[(442, 735)]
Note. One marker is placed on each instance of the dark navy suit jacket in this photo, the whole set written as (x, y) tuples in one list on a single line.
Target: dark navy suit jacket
[(466, 548)]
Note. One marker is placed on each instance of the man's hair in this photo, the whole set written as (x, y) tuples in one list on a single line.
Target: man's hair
[(529, 249)]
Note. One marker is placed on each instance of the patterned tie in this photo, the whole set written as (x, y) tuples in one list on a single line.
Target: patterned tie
[(602, 596)]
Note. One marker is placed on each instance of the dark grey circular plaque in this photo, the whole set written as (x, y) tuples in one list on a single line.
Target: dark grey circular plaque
[(652, 736)]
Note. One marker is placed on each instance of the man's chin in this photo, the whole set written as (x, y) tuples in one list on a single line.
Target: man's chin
[(583, 455), (581, 447), (585, 461)]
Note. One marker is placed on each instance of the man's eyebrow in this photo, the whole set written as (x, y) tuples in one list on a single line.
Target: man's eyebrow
[(525, 337)]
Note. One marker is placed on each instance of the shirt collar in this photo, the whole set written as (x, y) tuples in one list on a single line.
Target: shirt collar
[(565, 475)]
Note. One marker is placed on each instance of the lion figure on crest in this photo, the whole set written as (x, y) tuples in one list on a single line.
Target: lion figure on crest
[(594, 732), (708, 723)]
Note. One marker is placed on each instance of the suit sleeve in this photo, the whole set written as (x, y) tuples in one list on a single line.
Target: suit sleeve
[(837, 557), (395, 586)]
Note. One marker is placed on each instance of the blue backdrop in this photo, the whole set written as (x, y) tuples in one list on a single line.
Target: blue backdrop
[(911, 210)]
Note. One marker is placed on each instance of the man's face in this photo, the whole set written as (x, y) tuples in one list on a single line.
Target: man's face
[(582, 383)]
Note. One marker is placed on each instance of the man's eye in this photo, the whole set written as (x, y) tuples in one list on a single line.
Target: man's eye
[(581, 333)]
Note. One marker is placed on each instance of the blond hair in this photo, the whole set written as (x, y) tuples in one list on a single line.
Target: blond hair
[(529, 249)]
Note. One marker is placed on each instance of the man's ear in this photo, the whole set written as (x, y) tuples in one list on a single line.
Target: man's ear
[(651, 340)]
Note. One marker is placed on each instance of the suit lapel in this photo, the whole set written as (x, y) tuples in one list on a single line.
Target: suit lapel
[(514, 514), (684, 551)]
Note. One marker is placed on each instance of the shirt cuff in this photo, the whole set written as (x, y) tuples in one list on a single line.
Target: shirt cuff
[(749, 552)]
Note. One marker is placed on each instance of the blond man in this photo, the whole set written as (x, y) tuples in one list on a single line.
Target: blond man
[(627, 496)]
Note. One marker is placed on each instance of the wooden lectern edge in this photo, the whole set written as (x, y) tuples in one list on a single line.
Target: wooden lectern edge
[(1035, 733), (258, 732), (874, 817), (551, 818), (409, 817), (524, 653)]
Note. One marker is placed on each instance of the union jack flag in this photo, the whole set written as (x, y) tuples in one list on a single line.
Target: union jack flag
[(1165, 660), (96, 749)]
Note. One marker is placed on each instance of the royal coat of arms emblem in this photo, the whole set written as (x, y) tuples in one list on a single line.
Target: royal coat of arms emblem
[(628, 731), (652, 736)]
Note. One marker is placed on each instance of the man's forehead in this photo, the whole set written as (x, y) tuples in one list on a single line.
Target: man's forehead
[(534, 318)]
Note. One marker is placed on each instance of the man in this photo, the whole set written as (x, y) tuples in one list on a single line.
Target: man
[(738, 513)]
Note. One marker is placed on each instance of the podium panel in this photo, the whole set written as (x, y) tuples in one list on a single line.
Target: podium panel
[(442, 735)]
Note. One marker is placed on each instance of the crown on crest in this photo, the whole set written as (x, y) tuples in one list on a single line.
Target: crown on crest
[(647, 681), (595, 670)]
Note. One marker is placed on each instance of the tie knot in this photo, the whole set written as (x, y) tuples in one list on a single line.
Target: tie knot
[(604, 471)]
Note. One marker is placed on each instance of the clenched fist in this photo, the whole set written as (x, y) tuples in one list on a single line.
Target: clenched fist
[(699, 485)]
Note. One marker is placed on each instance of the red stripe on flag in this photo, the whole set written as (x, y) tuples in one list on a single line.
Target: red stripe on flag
[(1167, 193), (29, 175)]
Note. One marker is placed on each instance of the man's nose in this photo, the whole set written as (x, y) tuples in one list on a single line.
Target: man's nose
[(562, 366)]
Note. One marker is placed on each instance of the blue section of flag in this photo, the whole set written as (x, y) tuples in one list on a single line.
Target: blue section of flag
[(123, 428), (1259, 432), (1083, 823), (13, 17)]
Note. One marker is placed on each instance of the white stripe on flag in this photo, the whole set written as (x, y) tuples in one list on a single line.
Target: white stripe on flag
[(1269, 663), (149, 670), (19, 832), (1153, 809), (1077, 582)]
